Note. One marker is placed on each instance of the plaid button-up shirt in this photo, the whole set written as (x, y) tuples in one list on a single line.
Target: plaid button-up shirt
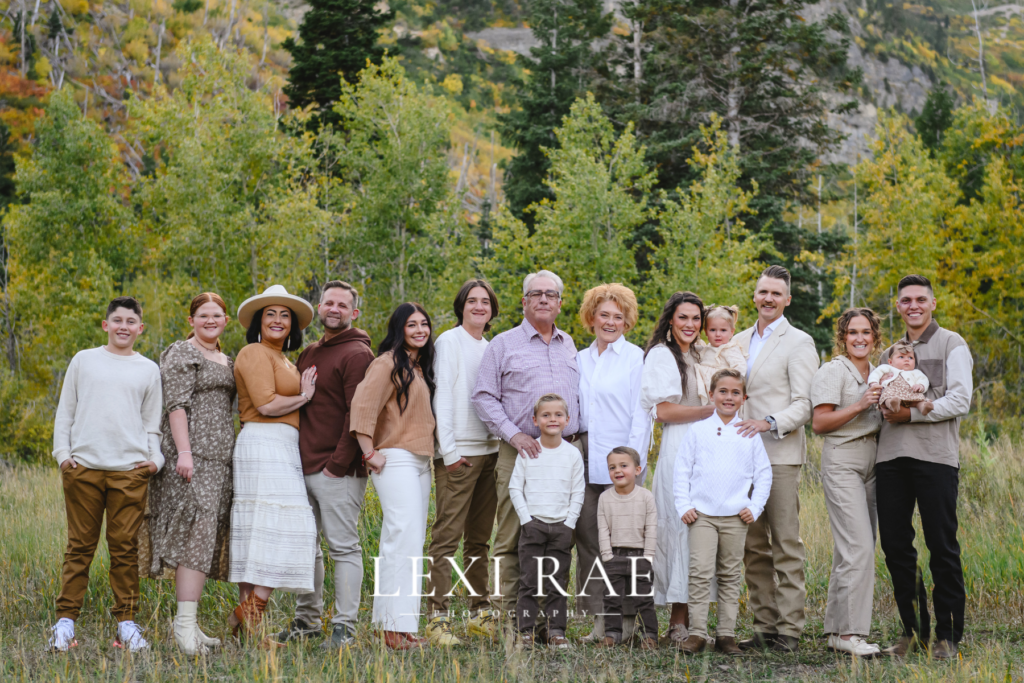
[(519, 367)]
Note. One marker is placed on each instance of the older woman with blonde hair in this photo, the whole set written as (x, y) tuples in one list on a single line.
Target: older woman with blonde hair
[(611, 369)]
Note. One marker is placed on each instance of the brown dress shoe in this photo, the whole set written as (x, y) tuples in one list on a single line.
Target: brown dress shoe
[(786, 644), (607, 641), (759, 641), (904, 646), (944, 649), (727, 646), (396, 640), (693, 645)]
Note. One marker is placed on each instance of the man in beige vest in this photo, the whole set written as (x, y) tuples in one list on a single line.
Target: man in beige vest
[(781, 362), (918, 465)]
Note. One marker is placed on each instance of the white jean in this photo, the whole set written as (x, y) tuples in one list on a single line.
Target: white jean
[(403, 487)]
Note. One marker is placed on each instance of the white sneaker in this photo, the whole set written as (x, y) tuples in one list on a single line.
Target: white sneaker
[(63, 636), (856, 646), (129, 636)]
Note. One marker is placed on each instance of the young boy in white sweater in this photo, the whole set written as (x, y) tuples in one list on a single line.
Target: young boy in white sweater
[(721, 485), (106, 439), (547, 493)]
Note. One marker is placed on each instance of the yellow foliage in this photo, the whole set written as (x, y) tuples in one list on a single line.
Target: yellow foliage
[(43, 68), (453, 84), (137, 50), (75, 6)]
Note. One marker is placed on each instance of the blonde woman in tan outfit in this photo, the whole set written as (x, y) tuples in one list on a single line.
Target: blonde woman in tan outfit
[(845, 412), (392, 419)]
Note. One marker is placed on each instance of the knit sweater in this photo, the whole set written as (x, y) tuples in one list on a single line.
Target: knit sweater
[(109, 413), (627, 521), (549, 487), (460, 432)]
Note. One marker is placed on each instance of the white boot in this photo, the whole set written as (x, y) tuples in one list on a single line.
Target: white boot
[(186, 630)]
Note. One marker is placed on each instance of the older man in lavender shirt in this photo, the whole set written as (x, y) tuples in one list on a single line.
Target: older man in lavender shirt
[(518, 367)]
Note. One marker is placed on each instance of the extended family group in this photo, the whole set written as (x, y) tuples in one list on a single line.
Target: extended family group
[(534, 448)]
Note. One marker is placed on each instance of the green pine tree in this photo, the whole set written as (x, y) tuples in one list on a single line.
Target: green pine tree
[(936, 117), (558, 74), (763, 68), (337, 37)]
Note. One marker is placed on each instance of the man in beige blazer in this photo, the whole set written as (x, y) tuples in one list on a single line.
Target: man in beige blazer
[(781, 361)]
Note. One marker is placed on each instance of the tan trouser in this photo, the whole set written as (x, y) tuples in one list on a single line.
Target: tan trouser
[(506, 538), (716, 550), (87, 495), (778, 606), (465, 501), (848, 478)]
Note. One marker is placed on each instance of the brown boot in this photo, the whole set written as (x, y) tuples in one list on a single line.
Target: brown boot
[(607, 641), (649, 643), (248, 616), (693, 645), (904, 646), (944, 649), (727, 646)]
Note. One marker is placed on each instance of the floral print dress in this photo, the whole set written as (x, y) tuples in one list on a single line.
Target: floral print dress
[(189, 522)]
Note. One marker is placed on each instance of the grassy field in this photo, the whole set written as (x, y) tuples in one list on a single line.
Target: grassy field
[(32, 538)]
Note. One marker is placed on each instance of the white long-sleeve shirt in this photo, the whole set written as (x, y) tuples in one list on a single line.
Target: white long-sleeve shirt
[(715, 467), (610, 409), (911, 377), (549, 487), (460, 431), (109, 413)]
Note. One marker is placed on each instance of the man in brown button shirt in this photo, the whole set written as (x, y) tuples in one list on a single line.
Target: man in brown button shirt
[(331, 463)]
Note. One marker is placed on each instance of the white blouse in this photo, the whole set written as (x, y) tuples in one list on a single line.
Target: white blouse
[(610, 410)]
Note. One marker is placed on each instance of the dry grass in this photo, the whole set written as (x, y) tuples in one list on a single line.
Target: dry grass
[(32, 533)]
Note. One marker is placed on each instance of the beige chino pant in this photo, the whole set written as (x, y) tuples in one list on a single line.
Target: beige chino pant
[(336, 504), (848, 478), (774, 558), (506, 539), (464, 502), (716, 551)]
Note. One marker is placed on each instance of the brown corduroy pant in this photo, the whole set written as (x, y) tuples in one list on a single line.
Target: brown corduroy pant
[(87, 495)]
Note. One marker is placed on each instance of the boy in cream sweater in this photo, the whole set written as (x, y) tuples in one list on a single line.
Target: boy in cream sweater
[(627, 526), (106, 439), (547, 493)]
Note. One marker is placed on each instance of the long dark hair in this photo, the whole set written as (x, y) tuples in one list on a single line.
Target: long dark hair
[(663, 330), (403, 374), (292, 342)]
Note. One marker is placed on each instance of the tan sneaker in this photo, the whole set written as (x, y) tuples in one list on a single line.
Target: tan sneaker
[(439, 632), (483, 625)]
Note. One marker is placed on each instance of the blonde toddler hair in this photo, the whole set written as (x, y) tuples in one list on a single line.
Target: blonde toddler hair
[(550, 398), (730, 313)]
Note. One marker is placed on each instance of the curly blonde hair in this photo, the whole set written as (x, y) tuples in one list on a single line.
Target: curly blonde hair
[(623, 297), (843, 328)]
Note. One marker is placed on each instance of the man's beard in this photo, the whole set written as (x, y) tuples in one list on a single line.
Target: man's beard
[(341, 327)]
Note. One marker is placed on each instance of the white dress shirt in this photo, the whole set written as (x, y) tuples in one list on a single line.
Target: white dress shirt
[(715, 467), (757, 342), (610, 409)]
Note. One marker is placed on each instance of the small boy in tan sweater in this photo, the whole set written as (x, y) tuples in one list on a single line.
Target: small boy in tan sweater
[(627, 524)]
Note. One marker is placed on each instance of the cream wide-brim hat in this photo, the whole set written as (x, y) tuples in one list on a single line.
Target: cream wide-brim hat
[(275, 295)]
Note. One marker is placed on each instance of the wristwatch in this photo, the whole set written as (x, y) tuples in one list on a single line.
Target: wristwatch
[(773, 426)]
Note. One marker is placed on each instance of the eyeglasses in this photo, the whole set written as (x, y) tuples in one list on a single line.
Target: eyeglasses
[(550, 294)]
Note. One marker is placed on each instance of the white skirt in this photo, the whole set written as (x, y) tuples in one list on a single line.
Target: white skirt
[(273, 532)]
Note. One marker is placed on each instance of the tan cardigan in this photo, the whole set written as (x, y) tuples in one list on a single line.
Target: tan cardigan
[(375, 410)]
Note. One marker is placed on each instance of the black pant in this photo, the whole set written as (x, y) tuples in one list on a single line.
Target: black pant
[(900, 484), (620, 573), (554, 543)]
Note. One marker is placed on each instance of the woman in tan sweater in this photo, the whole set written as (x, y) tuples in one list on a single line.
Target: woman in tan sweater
[(392, 419), (273, 533)]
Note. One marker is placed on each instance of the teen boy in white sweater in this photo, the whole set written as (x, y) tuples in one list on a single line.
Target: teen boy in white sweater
[(106, 439), (467, 453), (547, 494)]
